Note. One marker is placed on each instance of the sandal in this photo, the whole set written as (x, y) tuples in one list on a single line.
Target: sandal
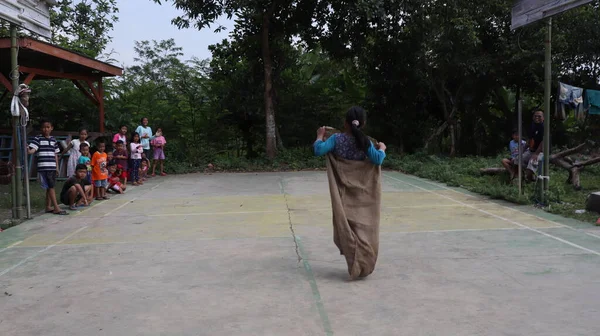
[(50, 211), (73, 207), (163, 174), (99, 199), (60, 213), (106, 197)]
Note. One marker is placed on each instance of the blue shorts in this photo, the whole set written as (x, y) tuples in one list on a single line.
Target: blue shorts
[(47, 179), (101, 183)]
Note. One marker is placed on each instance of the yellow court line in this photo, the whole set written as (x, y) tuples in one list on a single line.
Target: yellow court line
[(500, 217), (504, 206)]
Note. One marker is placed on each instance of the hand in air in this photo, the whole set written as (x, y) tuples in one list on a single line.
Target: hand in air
[(381, 146), (321, 132)]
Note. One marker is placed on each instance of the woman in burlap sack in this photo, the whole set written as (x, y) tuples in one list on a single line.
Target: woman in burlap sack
[(354, 174)]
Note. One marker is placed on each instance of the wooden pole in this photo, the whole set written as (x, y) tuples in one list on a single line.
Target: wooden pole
[(520, 157), (547, 88), (101, 104)]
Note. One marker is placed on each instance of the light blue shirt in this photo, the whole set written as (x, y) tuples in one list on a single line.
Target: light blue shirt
[(141, 130), (323, 147)]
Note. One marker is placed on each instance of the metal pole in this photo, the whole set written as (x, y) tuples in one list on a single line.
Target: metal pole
[(520, 158), (26, 170), (547, 87), (14, 74)]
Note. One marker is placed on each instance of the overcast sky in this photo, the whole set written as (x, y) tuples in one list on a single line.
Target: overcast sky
[(145, 20)]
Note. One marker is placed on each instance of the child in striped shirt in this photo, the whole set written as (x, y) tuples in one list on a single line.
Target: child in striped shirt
[(47, 165)]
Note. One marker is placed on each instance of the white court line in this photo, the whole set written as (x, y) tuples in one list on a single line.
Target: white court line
[(11, 245), (67, 237), (41, 251), (292, 210), (461, 230), (504, 206), (500, 217)]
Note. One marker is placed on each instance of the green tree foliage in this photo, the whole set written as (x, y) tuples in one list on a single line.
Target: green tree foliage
[(444, 76), (83, 25)]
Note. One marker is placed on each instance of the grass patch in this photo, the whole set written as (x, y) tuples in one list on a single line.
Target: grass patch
[(464, 173), (38, 202)]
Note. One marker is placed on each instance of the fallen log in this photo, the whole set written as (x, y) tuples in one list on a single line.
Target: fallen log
[(573, 167), (561, 160), (492, 171)]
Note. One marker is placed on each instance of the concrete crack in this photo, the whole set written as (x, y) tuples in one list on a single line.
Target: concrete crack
[(289, 213)]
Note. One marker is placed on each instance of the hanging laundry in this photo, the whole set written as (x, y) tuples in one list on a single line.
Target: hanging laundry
[(569, 96), (592, 101)]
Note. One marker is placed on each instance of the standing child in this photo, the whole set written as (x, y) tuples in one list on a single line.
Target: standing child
[(158, 144), (84, 159), (77, 191), (121, 158), (122, 135), (145, 133), (100, 171), (47, 165), (74, 151), (136, 151)]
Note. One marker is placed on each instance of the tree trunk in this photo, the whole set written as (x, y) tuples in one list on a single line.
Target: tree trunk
[(452, 130), (271, 127)]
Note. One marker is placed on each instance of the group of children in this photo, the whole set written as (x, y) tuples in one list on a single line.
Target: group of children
[(92, 175)]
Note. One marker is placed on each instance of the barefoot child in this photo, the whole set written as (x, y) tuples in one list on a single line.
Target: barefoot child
[(158, 144), (47, 165), (136, 151), (512, 164), (100, 171), (77, 191), (114, 180), (144, 169)]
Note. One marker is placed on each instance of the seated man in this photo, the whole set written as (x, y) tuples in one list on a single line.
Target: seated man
[(534, 153), (77, 190), (512, 164)]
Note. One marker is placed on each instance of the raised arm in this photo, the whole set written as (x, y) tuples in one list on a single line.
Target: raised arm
[(376, 155), (323, 147)]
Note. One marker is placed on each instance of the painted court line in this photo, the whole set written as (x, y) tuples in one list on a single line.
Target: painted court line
[(156, 241), (504, 206), (41, 251), (295, 210), (466, 230), (11, 245), (500, 217), (315, 290)]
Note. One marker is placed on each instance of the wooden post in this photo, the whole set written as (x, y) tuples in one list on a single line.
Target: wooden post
[(101, 104), (520, 158)]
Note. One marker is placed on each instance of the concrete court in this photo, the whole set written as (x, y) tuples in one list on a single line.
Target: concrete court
[(215, 255)]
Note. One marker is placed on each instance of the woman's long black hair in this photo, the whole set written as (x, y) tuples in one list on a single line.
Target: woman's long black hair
[(357, 115)]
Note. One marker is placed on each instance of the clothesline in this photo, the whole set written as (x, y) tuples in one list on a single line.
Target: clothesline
[(579, 99)]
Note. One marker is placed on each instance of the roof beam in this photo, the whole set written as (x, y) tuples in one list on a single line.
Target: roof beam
[(56, 74), (4, 81), (64, 54), (86, 92)]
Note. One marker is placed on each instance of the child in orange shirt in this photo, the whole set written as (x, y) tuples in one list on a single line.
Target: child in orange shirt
[(100, 171)]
